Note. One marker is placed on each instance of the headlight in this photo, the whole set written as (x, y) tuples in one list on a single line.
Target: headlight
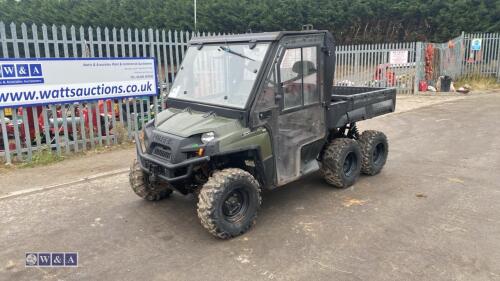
[(207, 137), (142, 140), (146, 132), (146, 138)]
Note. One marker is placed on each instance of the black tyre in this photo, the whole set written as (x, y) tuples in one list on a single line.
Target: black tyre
[(141, 186), (228, 203), (374, 149), (341, 164)]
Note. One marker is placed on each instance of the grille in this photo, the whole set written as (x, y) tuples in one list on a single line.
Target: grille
[(162, 152)]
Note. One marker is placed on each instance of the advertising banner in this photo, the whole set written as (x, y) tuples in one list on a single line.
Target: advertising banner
[(26, 82)]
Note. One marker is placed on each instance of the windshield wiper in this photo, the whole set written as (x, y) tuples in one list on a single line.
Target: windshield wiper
[(226, 49)]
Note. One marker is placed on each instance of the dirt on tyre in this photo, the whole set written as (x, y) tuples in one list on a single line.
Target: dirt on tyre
[(374, 150), (228, 203), (341, 162), (139, 182)]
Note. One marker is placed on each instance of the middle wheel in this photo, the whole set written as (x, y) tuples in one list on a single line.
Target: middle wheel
[(341, 163), (228, 203)]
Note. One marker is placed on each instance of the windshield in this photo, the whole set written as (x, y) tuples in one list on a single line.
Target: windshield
[(219, 74)]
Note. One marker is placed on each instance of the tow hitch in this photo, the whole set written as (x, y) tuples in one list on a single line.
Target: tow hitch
[(153, 172)]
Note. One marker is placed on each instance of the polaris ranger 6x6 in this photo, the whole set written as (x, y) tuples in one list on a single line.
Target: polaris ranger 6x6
[(256, 111)]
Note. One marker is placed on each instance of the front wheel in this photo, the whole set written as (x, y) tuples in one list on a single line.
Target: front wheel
[(143, 188), (341, 162), (228, 203)]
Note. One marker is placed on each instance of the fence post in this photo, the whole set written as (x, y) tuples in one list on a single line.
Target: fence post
[(419, 62), (5, 138), (3, 41), (463, 53), (497, 37), (3, 37)]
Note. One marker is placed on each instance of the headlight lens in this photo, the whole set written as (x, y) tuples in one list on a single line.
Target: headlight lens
[(146, 138), (207, 137), (142, 140), (146, 132)]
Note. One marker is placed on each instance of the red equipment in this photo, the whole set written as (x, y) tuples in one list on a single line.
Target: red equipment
[(384, 72), (81, 115)]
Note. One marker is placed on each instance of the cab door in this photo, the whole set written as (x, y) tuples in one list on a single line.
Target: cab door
[(300, 129)]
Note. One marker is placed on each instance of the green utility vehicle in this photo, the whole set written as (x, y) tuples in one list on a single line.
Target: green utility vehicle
[(256, 111)]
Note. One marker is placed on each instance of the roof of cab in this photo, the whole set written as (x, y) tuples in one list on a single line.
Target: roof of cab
[(250, 37)]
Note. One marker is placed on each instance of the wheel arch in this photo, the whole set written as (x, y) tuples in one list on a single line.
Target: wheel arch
[(263, 169)]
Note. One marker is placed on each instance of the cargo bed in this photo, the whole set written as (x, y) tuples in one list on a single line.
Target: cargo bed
[(353, 104)]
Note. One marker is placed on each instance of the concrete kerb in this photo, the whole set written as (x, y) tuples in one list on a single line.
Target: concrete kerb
[(50, 187)]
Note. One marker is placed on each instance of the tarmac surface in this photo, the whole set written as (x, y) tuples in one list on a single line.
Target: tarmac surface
[(432, 214)]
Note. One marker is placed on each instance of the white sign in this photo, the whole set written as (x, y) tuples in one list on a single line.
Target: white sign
[(475, 44), (398, 57), (45, 81)]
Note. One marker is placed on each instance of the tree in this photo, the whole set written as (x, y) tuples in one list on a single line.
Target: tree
[(351, 21)]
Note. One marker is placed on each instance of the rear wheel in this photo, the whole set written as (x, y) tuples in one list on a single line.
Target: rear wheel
[(341, 162), (139, 181), (228, 203), (375, 149)]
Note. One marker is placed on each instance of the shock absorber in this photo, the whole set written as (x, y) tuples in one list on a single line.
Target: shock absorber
[(353, 131)]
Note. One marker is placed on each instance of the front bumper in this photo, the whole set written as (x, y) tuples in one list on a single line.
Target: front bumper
[(157, 167)]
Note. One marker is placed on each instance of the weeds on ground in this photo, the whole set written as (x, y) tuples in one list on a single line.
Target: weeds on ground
[(46, 156), (5, 167), (43, 156), (121, 133), (105, 148), (478, 83)]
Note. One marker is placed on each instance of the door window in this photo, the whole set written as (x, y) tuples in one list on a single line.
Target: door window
[(310, 75), (291, 78), (298, 76)]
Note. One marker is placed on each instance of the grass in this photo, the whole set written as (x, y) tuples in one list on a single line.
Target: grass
[(103, 149), (478, 83), (46, 156), (42, 157)]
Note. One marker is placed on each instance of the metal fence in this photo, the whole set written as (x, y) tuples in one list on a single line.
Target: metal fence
[(483, 62), (371, 66), (456, 58), (443, 59), (82, 126)]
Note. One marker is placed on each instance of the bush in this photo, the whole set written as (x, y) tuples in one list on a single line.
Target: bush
[(121, 133)]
